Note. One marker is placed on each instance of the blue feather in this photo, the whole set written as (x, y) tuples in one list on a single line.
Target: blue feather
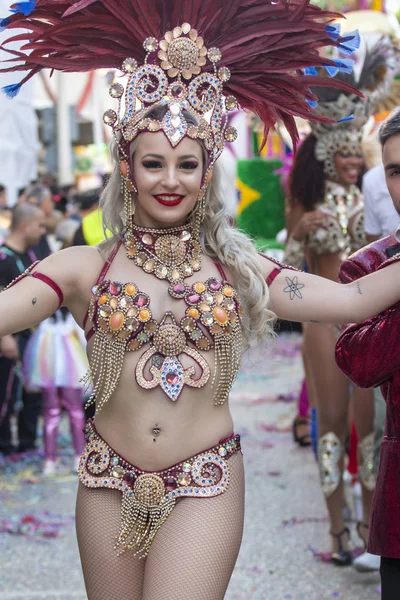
[(24, 7), (333, 31), (4, 23), (11, 90), (331, 70), (344, 65), (349, 118), (310, 71), (312, 103), (350, 42)]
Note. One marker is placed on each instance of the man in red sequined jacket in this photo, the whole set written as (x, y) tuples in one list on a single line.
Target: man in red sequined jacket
[(369, 354)]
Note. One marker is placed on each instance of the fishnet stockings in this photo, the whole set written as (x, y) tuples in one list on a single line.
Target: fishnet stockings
[(192, 556), (107, 576)]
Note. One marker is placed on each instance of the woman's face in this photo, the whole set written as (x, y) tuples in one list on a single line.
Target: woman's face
[(348, 168), (167, 179)]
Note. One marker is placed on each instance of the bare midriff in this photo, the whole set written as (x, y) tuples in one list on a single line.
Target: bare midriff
[(188, 426)]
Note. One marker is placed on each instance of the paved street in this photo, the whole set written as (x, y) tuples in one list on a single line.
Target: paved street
[(286, 529)]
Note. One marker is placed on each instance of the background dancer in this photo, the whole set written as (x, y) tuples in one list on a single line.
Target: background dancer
[(326, 225)]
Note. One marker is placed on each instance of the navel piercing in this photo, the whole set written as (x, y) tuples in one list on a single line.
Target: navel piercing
[(156, 432)]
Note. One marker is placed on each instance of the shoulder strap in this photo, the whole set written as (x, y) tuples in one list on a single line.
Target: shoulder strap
[(107, 264), (100, 279), (220, 270)]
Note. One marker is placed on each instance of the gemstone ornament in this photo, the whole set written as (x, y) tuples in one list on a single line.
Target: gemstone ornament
[(123, 322), (175, 78), (171, 254), (148, 498)]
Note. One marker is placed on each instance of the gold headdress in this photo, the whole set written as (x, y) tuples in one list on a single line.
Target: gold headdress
[(349, 111), (177, 84)]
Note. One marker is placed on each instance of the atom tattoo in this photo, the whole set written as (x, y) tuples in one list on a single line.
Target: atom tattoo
[(293, 287)]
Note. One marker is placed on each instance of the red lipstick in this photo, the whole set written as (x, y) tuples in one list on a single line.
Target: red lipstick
[(174, 200)]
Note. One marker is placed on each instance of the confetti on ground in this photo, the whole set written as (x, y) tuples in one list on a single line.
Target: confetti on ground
[(44, 525)]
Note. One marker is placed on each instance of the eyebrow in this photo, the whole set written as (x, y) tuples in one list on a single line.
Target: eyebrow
[(160, 156), (392, 165)]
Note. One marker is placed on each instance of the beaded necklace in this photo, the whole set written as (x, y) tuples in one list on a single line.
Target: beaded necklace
[(171, 254)]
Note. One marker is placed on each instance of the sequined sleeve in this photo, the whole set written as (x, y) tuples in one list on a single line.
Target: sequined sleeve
[(369, 352)]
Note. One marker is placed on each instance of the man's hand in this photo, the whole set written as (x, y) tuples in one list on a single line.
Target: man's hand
[(9, 347)]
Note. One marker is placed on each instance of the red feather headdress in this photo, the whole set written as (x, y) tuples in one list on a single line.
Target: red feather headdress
[(266, 46)]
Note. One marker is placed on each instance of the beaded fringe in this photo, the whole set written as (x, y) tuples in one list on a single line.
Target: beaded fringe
[(106, 367), (228, 356), (140, 523)]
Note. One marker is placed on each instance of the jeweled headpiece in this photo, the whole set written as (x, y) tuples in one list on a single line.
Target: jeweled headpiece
[(177, 83), (350, 112), (264, 46)]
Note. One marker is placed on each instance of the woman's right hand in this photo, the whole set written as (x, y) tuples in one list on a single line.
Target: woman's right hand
[(309, 222)]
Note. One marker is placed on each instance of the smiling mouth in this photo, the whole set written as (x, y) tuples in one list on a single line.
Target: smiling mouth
[(352, 171), (169, 199)]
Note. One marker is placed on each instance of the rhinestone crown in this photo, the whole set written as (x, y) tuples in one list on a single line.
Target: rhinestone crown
[(174, 79)]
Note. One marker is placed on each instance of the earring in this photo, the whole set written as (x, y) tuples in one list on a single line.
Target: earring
[(128, 187), (200, 212)]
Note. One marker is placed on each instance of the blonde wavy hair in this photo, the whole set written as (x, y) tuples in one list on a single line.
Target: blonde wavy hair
[(220, 241)]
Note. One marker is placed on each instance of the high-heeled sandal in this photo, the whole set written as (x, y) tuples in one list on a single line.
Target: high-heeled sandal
[(341, 558), (358, 529), (302, 440)]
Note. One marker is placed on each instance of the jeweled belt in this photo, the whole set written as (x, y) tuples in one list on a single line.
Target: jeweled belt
[(149, 497)]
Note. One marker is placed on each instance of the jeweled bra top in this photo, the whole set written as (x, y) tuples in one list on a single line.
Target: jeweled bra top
[(122, 321), (344, 227)]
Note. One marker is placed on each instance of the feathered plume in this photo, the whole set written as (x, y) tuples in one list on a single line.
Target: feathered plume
[(375, 80), (266, 44)]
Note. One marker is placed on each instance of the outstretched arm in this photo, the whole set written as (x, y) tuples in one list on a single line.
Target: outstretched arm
[(31, 300), (298, 296)]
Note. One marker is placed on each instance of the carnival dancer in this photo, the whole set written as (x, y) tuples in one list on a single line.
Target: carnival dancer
[(368, 353), (177, 293), (54, 362), (326, 224)]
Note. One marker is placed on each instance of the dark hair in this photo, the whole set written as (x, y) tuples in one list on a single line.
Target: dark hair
[(86, 200), (390, 126), (2, 188), (307, 177)]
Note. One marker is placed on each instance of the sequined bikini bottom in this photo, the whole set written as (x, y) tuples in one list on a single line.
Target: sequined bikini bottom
[(149, 497)]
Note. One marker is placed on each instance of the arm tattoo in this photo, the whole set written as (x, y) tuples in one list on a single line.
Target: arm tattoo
[(34, 300), (293, 287), (359, 288)]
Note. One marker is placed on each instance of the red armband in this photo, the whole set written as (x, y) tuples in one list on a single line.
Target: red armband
[(275, 272), (56, 288)]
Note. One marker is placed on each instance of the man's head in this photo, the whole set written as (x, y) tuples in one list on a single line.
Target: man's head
[(41, 196), (29, 223), (389, 137)]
